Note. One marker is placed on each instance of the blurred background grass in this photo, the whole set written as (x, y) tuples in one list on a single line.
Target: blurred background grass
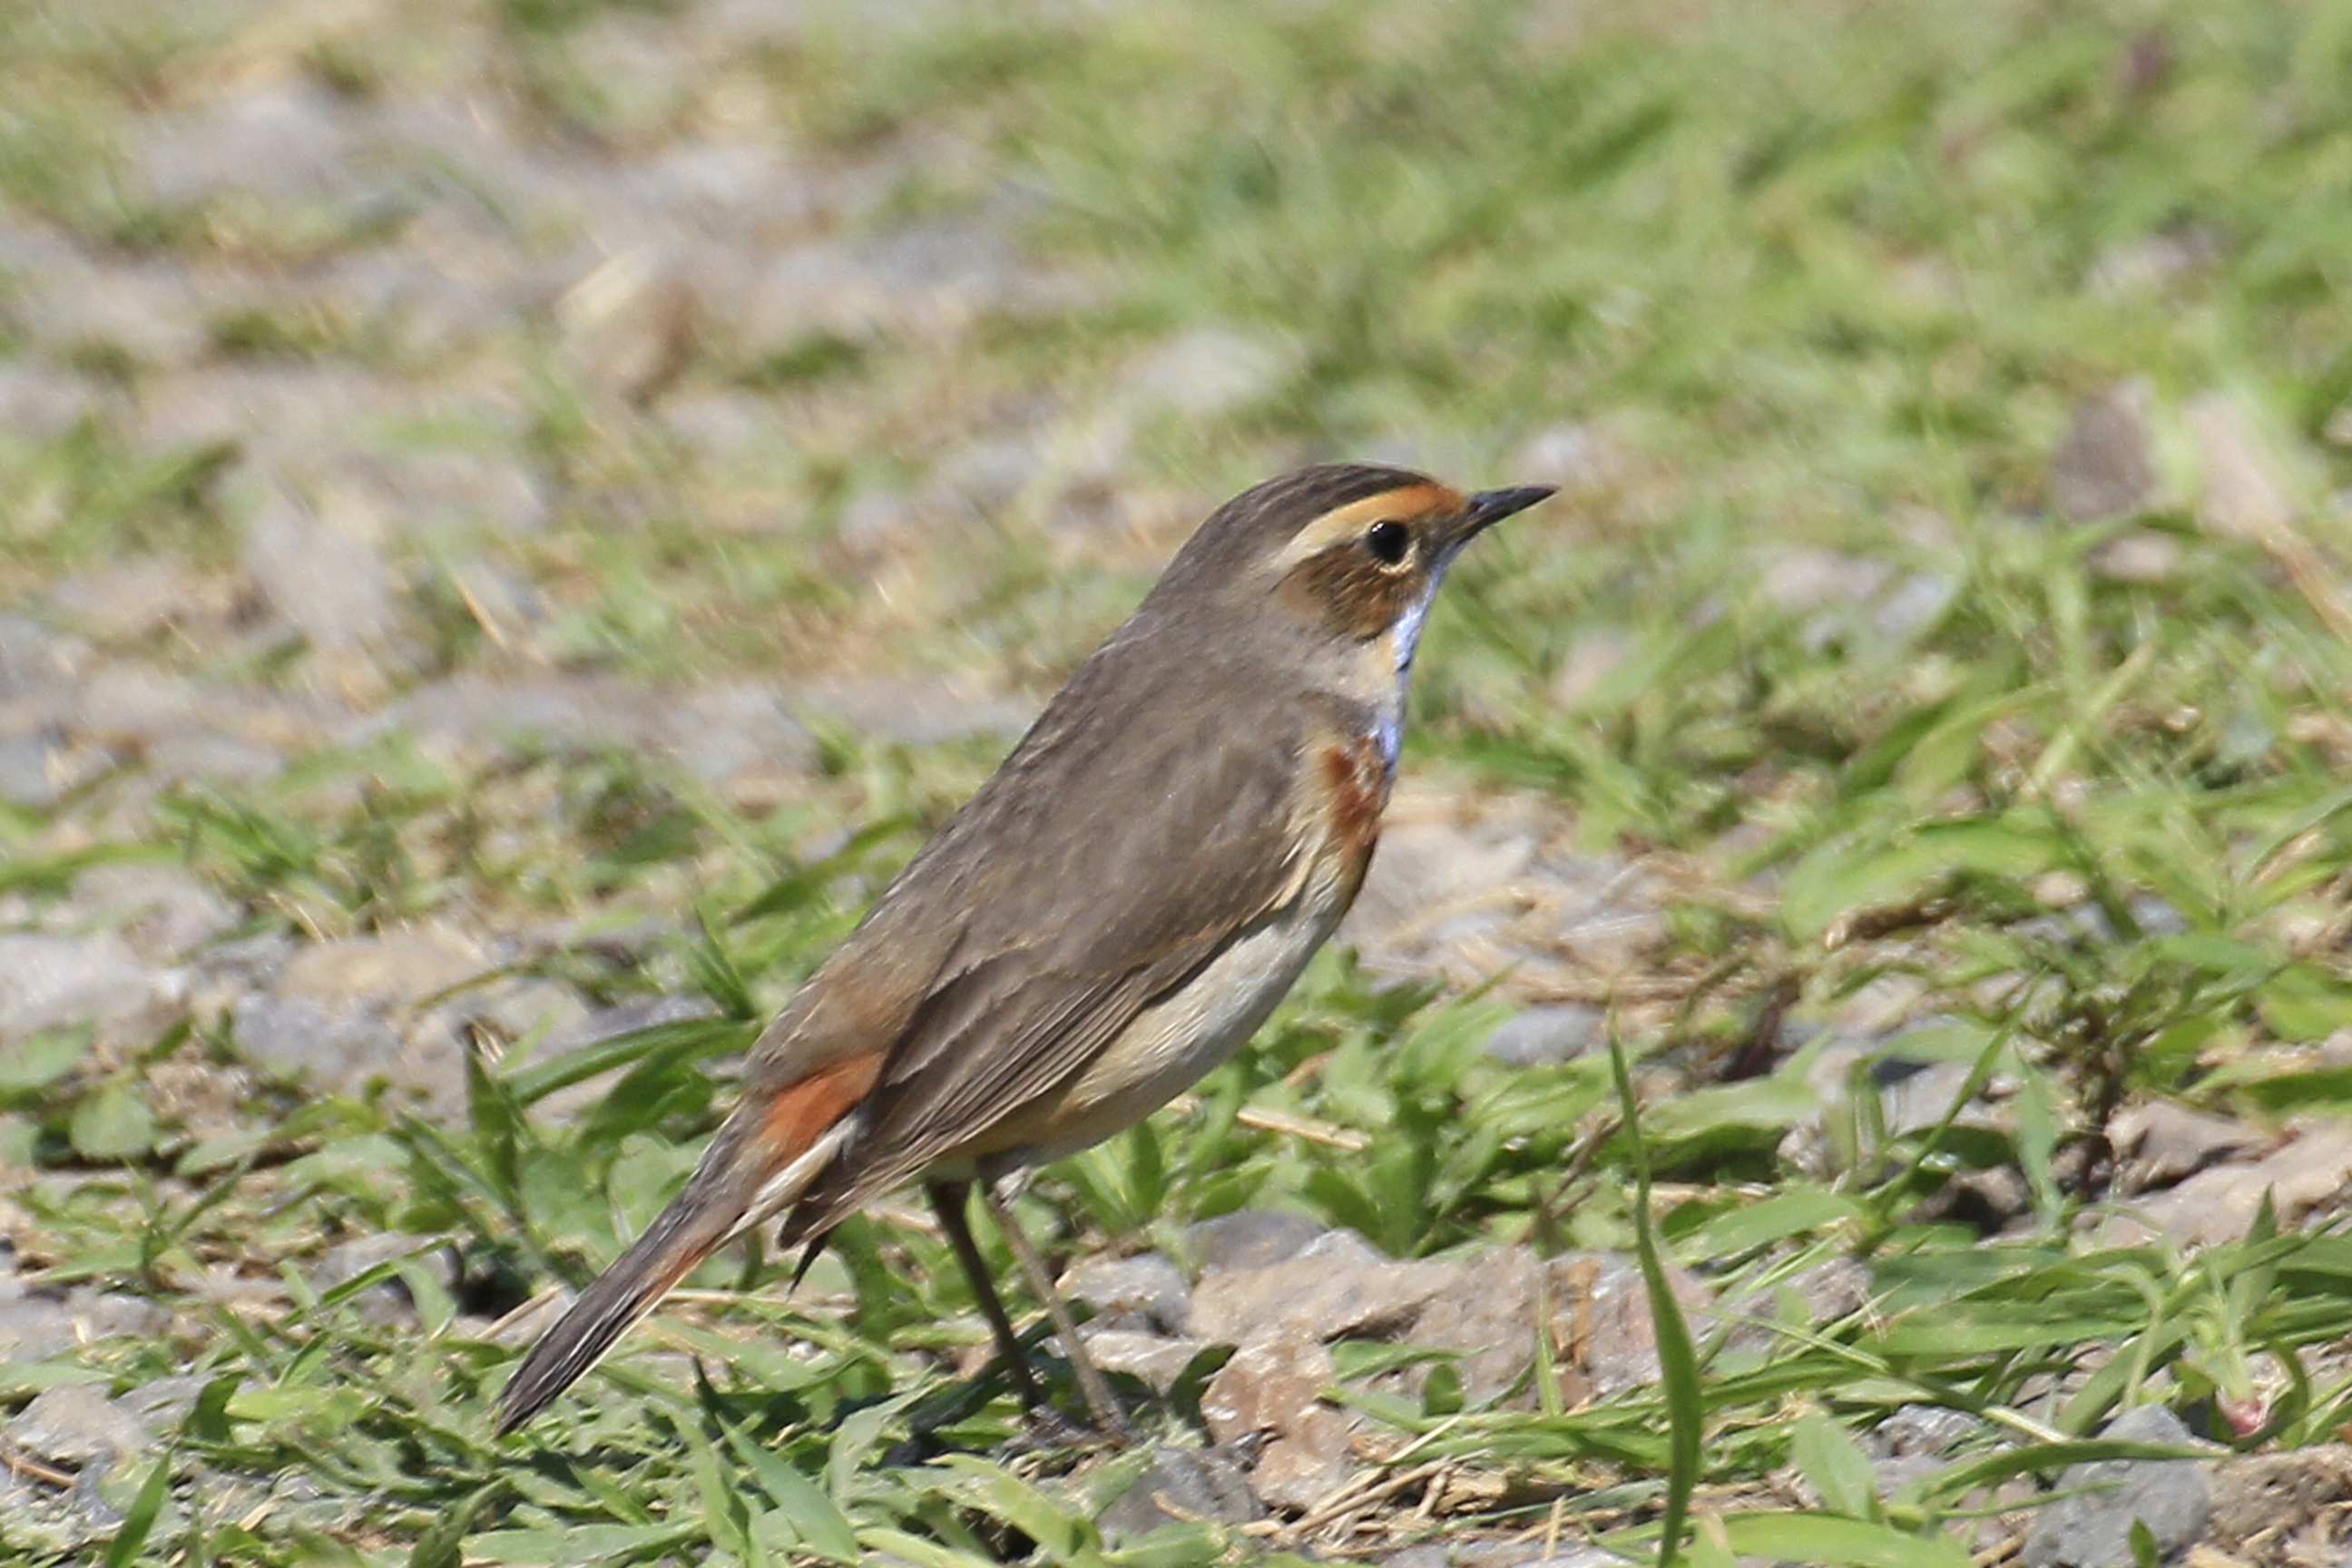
[(1943, 615)]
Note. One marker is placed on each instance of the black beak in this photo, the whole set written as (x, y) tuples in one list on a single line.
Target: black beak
[(1488, 506)]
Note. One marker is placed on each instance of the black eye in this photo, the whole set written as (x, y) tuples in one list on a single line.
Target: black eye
[(1387, 541)]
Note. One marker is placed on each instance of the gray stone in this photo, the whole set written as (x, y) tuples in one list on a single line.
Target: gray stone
[(1304, 1465), (1891, 1474), (282, 138), (1264, 1387), (150, 312), (720, 428), (390, 970), (1492, 1317), (2161, 1143), (1424, 1554), (1250, 1238), (720, 733), (1273, 1389), (2153, 262), (1209, 372), (1591, 658), (33, 659), (440, 488), (744, 186), (34, 1325), (2158, 917), (1914, 1097), (989, 474), (733, 731), (291, 1034), (161, 910), (1335, 1285), (563, 711), (520, 1009), (1579, 458), (271, 410), (2102, 468), (2219, 1204), (1833, 1290), (414, 299), (54, 982), (1602, 914), (1433, 883), (37, 404), (40, 1322), (247, 964), (387, 1303), (1150, 1358), (2171, 1497), (1914, 605), (26, 776), (107, 1314), (928, 279), (1182, 1486), (2138, 555), (1601, 1317), (872, 517), (1490, 1323), (913, 712), (1806, 579), (630, 326), (1546, 1036), (74, 1423), (334, 588), (165, 1402), (1927, 1429), (41, 766), (1143, 1293), (209, 755), (135, 705), (1506, 1553)]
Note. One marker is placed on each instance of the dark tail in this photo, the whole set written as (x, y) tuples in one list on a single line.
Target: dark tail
[(762, 1159), (665, 1255)]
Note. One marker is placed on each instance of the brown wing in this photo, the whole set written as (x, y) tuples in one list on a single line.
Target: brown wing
[(1107, 861)]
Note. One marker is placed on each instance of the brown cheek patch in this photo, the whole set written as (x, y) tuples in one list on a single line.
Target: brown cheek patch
[(804, 1110), (1345, 591)]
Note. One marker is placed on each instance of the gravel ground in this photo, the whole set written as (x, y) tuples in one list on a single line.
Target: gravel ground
[(453, 466)]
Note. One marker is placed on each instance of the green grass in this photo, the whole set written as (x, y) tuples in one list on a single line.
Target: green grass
[(1806, 277)]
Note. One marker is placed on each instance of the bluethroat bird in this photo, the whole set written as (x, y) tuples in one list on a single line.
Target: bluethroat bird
[(1113, 914)]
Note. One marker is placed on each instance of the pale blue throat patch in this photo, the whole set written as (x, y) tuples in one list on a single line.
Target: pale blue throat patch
[(1389, 731)]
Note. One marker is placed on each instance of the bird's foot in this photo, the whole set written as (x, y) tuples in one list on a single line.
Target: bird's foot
[(1047, 1430)]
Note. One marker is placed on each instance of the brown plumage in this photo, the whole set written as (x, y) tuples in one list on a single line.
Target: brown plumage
[(1113, 912)]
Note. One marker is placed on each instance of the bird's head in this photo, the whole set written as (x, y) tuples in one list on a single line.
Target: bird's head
[(1348, 553)]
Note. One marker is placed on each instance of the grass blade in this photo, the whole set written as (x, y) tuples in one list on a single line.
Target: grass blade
[(1677, 1357), (132, 1539)]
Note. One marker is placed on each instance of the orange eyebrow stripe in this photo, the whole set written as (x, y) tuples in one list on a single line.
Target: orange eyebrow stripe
[(1342, 522)]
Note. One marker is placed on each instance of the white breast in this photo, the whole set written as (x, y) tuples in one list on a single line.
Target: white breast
[(1172, 1043)]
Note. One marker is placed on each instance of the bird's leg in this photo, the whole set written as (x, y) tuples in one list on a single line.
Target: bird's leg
[(1103, 1404), (948, 1200)]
